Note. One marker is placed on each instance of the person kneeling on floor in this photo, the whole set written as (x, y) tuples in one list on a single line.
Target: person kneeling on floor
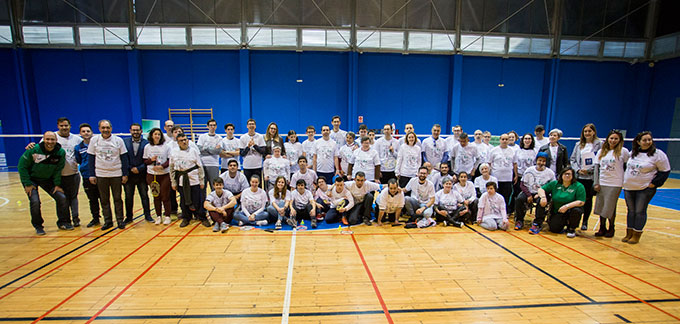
[(491, 214)]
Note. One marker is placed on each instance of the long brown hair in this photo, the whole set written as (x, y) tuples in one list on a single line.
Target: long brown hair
[(616, 149), (280, 193), (582, 142), (636, 145), (276, 137)]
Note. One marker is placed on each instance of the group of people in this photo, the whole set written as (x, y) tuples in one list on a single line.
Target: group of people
[(259, 179)]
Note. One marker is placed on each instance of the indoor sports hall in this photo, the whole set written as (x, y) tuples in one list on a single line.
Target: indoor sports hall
[(123, 100)]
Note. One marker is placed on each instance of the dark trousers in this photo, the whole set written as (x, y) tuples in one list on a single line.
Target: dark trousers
[(173, 201), (219, 218), (108, 187), (451, 216), (522, 205), (361, 211), (326, 175), (570, 218), (471, 216), (162, 203), (250, 172), (211, 173), (322, 207), (71, 185), (505, 189), (303, 213), (540, 212), (386, 176), (637, 202), (93, 198), (196, 208), (59, 198), (516, 190), (136, 181), (333, 216), (403, 181), (590, 192)]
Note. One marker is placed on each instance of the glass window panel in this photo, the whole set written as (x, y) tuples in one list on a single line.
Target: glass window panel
[(314, 37), (661, 46), (174, 35), (613, 49), (60, 35), (368, 38), (116, 36), (284, 37), (5, 35), (261, 38), (635, 49), (228, 36), (443, 42), (149, 35), (589, 48), (419, 41), (394, 40), (335, 40), (203, 36), (494, 44), (35, 34), (540, 45), (569, 47), (470, 43), (519, 45), (91, 35)]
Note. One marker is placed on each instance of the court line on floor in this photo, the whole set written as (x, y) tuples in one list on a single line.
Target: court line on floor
[(340, 313), (5, 203), (594, 276), (140, 276), (607, 265), (102, 274), (375, 285), (62, 256), (289, 280), (61, 246), (532, 265), (300, 234), (632, 255)]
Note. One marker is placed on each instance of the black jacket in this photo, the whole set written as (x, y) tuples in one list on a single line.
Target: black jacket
[(562, 157)]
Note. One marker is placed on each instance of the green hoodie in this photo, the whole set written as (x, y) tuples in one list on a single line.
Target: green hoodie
[(37, 163)]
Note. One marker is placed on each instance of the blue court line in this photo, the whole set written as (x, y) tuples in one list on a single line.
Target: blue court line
[(623, 318), (338, 313), (532, 265), (61, 256)]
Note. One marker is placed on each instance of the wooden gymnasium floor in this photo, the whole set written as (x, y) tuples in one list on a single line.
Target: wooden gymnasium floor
[(164, 274)]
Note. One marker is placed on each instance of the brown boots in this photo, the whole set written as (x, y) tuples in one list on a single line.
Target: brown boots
[(632, 236)]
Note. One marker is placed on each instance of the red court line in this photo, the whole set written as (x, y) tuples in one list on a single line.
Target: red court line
[(140, 276), (619, 270), (71, 259), (57, 248), (375, 286), (634, 256), (596, 277), (101, 275)]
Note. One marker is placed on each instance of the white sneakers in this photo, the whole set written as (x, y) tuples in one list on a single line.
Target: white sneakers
[(166, 220), (158, 220)]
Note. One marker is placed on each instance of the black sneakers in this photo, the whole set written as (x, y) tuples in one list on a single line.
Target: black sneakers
[(107, 226), (40, 231), (184, 223), (93, 223), (66, 227)]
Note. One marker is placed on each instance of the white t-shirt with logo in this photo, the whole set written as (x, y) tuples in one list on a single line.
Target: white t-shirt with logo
[(339, 137), (162, 154), (324, 151), (408, 161), (344, 153), (182, 160), (359, 193), (641, 169), (230, 145), (365, 161), (502, 160), (390, 204), (525, 159), (68, 144), (422, 192), (480, 183), (534, 179), (236, 184), (468, 192), (448, 201), (611, 167), (276, 167), (388, 159), (293, 152), (308, 148), (309, 176), (464, 158), (274, 200), (252, 160), (253, 201), (434, 149), (301, 200), (210, 142), (107, 152), (219, 201)]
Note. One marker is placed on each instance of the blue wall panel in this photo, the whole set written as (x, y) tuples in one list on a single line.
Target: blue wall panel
[(10, 114), (514, 106), (60, 92), (323, 90), (395, 88), (665, 91)]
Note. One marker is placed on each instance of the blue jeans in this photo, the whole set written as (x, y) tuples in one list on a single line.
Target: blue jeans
[(241, 216), (274, 214), (637, 202), (412, 204)]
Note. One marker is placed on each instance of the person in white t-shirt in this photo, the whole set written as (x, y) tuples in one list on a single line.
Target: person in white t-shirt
[(293, 150), (408, 160), (512, 140), (344, 154), (391, 201), (324, 155), (533, 178), (482, 151), (539, 131), (302, 203), (452, 140), (485, 176), (420, 203), (234, 180), (210, 146), (279, 203), (276, 166), (363, 194), (448, 204), (608, 180), (491, 214), (436, 177), (230, 148), (252, 149), (253, 205), (583, 162), (408, 128), (308, 144), (340, 201), (168, 136), (157, 158), (503, 161), (647, 169), (337, 135), (434, 148), (187, 177), (388, 150), (526, 158), (217, 203), (365, 160), (304, 173), (467, 190), (464, 156)]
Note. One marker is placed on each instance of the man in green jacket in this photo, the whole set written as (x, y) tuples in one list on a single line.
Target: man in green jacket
[(41, 167)]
